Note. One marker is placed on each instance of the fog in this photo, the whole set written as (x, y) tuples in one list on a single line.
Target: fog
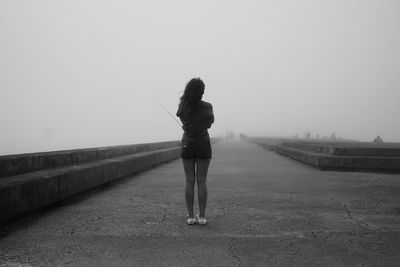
[(77, 74)]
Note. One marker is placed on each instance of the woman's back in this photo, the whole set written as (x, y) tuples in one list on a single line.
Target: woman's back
[(196, 120)]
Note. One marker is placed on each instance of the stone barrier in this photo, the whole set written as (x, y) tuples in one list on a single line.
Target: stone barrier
[(361, 149), (339, 156), (31, 181), (24, 163)]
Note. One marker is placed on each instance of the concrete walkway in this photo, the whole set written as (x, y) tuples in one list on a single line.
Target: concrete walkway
[(263, 210)]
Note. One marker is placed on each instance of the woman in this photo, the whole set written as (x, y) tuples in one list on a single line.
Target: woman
[(196, 116)]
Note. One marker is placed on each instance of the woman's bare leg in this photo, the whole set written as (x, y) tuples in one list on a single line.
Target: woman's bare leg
[(201, 177), (189, 167)]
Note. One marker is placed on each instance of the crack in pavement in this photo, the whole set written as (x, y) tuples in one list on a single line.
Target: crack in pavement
[(322, 236), (359, 221), (164, 217), (313, 234), (235, 256)]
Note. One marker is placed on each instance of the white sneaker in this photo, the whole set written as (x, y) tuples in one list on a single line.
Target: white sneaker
[(191, 221), (201, 221)]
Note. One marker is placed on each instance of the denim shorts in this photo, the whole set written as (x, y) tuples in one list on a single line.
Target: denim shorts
[(196, 149)]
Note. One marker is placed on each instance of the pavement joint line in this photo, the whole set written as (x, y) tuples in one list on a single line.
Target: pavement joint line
[(201, 235), (359, 221), (300, 235)]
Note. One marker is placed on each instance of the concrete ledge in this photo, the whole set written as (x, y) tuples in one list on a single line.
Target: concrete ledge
[(361, 149), (29, 191), (268, 143), (340, 156), (29, 162)]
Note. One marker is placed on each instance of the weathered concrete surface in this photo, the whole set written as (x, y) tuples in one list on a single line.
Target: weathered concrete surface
[(264, 210)]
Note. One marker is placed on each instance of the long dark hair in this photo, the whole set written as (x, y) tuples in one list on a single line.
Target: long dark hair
[(193, 93)]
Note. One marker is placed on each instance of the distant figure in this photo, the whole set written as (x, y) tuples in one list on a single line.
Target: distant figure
[(378, 139), (196, 116), (332, 137)]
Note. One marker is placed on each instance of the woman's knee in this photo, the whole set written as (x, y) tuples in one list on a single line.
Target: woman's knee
[(201, 181), (190, 182)]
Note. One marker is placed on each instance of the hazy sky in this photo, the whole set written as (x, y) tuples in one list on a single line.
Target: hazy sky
[(87, 73)]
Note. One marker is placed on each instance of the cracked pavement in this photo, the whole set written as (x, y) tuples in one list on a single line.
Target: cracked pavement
[(263, 210)]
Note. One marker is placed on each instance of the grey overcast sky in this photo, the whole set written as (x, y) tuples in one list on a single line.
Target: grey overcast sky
[(85, 73)]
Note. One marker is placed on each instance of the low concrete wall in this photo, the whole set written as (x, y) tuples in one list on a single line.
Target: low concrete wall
[(340, 156), (268, 143), (361, 149), (24, 163), (30, 181)]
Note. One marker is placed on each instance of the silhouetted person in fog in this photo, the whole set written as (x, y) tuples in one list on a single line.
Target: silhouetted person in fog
[(196, 116)]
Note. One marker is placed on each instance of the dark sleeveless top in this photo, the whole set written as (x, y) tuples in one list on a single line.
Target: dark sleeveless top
[(195, 120)]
